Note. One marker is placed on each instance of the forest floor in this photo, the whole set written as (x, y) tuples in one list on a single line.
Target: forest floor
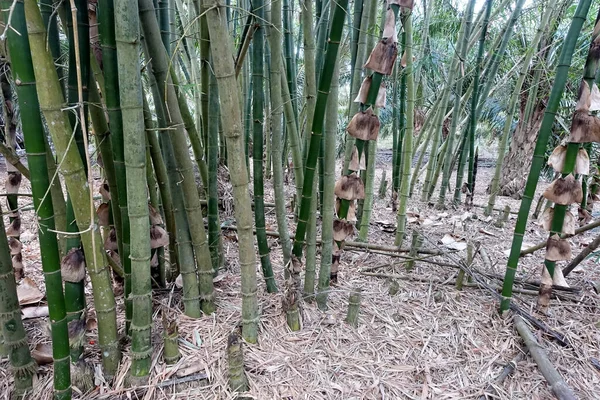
[(429, 341)]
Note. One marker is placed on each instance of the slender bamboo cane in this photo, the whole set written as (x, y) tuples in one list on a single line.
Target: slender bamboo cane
[(160, 70), (328, 191), (365, 220), (257, 146), (292, 136), (408, 136), (51, 100), (18, 46), (288, 38), (277, 132), (474, 114), (127, 35), (540, 147), (512, 109), (231, 119), (447, 157), (215, 239)]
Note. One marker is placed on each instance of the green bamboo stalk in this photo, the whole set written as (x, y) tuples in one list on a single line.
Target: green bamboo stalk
[(230, 111), (51, 102), (408, 135), (113, 106), (538, 160), (12, 327), (512, 109), (318, 122), (293, 136), (127, 35), (288, 39), (160, 70), (257, 146), (322, 26), (474, 115), (399, 122), (163, 17), (355, 34), (365, 220), (556, 227), (215, 239), (275, 82)]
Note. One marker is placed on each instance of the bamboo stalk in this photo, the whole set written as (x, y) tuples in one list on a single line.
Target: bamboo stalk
[(540, 148), (558, 386), (51, 101), (231, 120)]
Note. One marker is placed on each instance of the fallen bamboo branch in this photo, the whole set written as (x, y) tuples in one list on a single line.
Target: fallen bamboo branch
[(490, 391), (356, 245), (558, 386), (13, 158), (560, 338), (578, 231), (581, 256)]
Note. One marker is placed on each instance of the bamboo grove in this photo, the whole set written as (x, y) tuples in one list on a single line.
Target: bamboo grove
[(134, 122)]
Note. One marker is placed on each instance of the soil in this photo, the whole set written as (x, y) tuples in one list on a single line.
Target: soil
[(428, 341)]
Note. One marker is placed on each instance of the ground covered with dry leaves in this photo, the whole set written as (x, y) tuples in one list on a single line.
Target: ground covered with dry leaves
[(428, 341)]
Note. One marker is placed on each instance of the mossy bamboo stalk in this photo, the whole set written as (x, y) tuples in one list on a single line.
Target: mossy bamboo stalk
[(408, 136), (12, 327), (51, 101), (160, 70), (190, 126), (113, 105), (540, 147), (231, 120), (127, 35), (276, 73)]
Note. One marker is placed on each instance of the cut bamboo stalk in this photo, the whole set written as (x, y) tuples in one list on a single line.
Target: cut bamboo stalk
[(354, 307)]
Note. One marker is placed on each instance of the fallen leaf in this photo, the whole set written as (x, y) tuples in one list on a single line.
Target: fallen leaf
[(34, 312), (42, 354), (481, 230), (452, 243), (28, 292)]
